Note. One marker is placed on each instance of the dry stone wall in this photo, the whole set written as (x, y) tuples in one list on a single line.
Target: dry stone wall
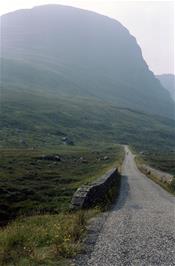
[(90, 195), (160, 175)]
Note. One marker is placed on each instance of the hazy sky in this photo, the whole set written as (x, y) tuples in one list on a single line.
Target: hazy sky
[(151, 22)]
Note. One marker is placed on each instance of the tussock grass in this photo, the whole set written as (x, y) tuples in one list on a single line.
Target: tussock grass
[(43, 240)]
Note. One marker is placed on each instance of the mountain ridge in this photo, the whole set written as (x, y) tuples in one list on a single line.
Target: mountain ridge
[(87, 58)]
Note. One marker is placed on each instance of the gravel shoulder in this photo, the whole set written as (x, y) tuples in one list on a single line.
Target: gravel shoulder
[(140, 229)]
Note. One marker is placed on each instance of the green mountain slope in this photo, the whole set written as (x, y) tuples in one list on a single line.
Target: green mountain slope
[(168, 81), (30, 119), (73, 52), (60, 77)]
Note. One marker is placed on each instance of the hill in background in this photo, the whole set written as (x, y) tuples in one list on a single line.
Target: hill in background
[(76, 53), (168, 82), (75, 73)]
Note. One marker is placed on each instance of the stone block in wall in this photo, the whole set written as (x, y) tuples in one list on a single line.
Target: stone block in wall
[(88, 196)]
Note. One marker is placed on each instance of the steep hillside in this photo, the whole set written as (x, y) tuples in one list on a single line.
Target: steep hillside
[(72, 52), (168, 81), (30, 119)]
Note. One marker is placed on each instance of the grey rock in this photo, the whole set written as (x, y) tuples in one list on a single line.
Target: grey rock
[(88, 196), (50, 158)]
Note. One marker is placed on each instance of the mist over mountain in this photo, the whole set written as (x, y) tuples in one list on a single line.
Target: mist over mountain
[(69, 52), (168, 82)]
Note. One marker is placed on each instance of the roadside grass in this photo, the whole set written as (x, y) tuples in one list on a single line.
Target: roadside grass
[(169, 187), (157, 164), (44, 239), (164, 161), (159, 157)]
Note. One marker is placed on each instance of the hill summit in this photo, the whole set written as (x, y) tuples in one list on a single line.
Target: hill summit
[(76, 53)]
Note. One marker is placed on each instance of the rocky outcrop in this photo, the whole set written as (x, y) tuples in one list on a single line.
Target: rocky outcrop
[(50, 158), (90, 195)]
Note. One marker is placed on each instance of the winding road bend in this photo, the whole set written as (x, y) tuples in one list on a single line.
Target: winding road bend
[(140, 229)]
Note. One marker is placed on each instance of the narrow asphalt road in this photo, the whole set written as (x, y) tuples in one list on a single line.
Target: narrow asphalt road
[(140, 230)]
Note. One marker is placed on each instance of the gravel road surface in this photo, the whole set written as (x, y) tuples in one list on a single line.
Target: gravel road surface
[(140, 229)]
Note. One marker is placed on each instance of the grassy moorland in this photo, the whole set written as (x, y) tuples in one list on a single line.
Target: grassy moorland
[(38, 192), (31, 183), (43, 239), (157, 156), (34, 118), (164, 161), (54, 89)]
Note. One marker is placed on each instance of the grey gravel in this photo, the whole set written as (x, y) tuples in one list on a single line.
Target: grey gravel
[(140, 229)]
